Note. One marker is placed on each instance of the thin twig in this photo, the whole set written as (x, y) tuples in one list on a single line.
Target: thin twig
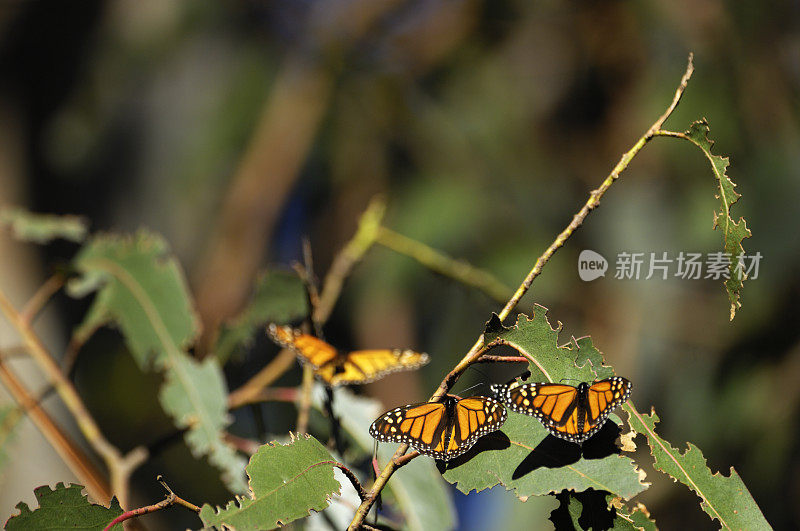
[(404, 459), (353, 479), (342, 265), (249, 392), (272, 394), (309, 279), (477, 349), (304, 407), (349, 256), (15, 351), (488, 358), (178, 499), (120, 467), (444, 265), (73, 456), (171, 499), (306, 274), (41, 297), (243, 444)]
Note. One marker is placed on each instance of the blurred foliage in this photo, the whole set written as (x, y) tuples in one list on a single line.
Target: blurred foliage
[(485, 124)]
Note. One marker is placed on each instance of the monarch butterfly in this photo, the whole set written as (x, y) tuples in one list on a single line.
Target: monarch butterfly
[(572, 413), (337, 368), (442, 430)]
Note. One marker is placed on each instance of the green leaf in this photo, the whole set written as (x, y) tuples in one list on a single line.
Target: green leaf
[(597, 511), (636, 519), (279, 298), (64, 508), (725, 499), (733, 232), (417, 489), (42, 228), (519, 456), (9, 420), (530, 469), (142, 290), (286, 482)]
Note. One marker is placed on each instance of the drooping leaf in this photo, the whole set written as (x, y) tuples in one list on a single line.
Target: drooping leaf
[(725, 499), (9, 419), (522, 455), (417, 489), (141, 289), (42, 228), (733, 232), (64, 508), (279, 298), (286, 482)]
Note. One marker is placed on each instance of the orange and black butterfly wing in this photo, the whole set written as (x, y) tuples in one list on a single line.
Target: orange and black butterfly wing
[(602, 398), (309, 349), (422, 426), (473, 418), (555, 405), (362, 366)]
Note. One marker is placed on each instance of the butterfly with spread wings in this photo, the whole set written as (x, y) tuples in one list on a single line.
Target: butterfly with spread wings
[(442, 430), (339, 368), (572, 413)]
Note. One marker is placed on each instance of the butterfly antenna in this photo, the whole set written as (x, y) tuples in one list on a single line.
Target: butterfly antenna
[(474, 368), (472, 387), (486, 376)]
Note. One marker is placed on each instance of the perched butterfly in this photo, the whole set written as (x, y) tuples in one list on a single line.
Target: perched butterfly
[(572, 413), (338, 368), (442, 430)]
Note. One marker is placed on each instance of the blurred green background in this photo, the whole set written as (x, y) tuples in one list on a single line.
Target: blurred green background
[(235, 128)]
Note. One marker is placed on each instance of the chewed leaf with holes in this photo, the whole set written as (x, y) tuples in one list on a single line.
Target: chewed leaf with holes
[(637, 518), (279, 298), (733, 232), (141, 289), (42, 228), (522, 455), (64, 508), (286, 482), (725, 499), (595, 510)]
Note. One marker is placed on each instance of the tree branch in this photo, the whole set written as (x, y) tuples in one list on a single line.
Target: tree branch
[(119, 466), (477, 349), (171, 499), (444, 265)]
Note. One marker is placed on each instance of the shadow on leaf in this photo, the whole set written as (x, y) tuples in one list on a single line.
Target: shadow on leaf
[(593, 507), (602, 444), (497, 440), (552, 452)]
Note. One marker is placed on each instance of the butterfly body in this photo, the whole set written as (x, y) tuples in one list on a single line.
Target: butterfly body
[(572, 413), (442, 430), (338, 368)]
